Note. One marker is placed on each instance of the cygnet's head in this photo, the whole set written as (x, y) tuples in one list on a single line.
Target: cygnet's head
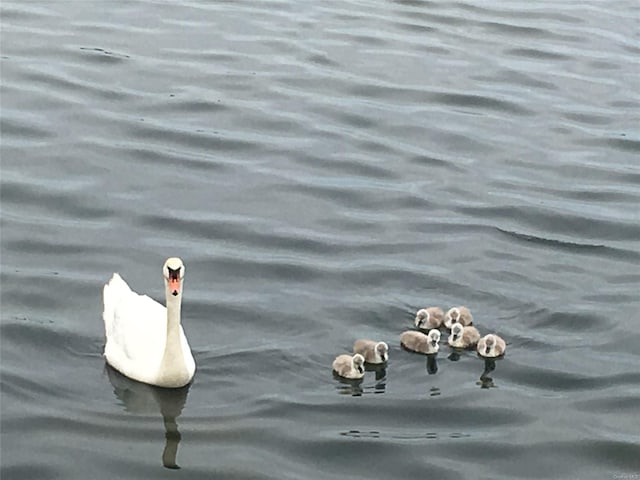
[(173, 272), (453, 315), (434, 337), (422, 318), (358, 362), (490, 345), (456, 331), (382, 349)]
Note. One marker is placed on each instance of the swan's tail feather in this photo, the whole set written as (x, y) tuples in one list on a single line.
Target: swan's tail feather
[(112, 296)]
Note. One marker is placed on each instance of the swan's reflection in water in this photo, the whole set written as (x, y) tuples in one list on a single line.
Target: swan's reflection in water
[(485, 380), (141, 398)]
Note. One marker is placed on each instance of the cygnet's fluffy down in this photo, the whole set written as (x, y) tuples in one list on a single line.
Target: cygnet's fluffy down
[(491, 346), (419, 342), (429, 318), (373, 352), (458, 314), (463, 337), (348, 366)]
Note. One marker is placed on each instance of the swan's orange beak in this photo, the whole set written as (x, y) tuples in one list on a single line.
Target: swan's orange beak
[(174, 286)]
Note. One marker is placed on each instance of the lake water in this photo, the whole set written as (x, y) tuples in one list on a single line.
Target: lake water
[(324, 169)]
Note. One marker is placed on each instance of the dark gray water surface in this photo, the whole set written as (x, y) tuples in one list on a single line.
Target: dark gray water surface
[(324, 169)]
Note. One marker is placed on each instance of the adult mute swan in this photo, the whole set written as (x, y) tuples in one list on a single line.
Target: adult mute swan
[(145, 340)]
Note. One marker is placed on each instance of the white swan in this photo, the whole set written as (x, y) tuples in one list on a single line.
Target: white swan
[(145, 340)]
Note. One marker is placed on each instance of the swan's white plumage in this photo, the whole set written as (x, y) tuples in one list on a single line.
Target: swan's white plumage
[(136, 336)]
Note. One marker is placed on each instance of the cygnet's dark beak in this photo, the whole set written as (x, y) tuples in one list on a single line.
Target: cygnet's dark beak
[(434, 342), (487, 350)]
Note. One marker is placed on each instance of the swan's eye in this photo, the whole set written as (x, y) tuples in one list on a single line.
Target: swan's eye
[(174, 274)]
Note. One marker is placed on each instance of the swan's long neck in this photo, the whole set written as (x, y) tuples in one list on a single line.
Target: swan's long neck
[(174, 307), (173, 368)]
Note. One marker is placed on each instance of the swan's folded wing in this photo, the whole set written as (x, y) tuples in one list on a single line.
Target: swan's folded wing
[(144, 322), (112, 295), (136, 333)]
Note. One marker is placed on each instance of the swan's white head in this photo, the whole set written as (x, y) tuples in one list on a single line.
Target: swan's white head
[(422, 318), (357, 362), (382, 349), (173, 271)]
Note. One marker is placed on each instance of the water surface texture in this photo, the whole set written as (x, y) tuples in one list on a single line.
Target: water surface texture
[(324, 169)]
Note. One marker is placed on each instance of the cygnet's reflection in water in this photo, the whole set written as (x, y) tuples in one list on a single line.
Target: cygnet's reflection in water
[(349, 386), (455, 354), (485, 380), (432, 364), (146, 399), (380, 371), (360, 386)]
